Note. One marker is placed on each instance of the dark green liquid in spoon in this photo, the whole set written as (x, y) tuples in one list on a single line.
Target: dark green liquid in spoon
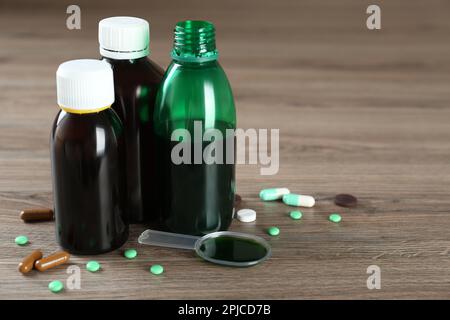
[(233, 249)]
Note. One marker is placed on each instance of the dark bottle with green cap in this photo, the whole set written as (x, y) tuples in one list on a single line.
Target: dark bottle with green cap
[(124, 43), (194, 123)]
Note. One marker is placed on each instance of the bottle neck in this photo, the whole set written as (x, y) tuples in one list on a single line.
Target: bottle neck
[(194, 41), (196, 63), (84, 110), (124, 55), (124, 61)]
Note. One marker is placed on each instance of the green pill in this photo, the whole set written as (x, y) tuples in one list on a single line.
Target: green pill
[(55, 286), (334, 217), (273, 231), (156, 269), (130, 253), (21, 240), (93, 266), (273, 193), (296, 215)]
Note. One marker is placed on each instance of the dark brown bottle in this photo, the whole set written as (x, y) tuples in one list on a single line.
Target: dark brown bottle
[(87, 161), (124, 43)]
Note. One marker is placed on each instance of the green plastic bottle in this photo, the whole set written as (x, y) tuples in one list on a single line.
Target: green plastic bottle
[(197, 194)]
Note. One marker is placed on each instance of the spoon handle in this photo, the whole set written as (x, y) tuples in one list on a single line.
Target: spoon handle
[(167, 239)]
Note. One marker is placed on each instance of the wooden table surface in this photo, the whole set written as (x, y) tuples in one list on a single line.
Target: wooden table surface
[(359, 111)]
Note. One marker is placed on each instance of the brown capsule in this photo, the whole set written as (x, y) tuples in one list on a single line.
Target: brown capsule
[(345, 200), (28, 262), (52, 261), (33, 215)]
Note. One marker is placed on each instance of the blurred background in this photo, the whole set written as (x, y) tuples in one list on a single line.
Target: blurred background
[(310, 68)]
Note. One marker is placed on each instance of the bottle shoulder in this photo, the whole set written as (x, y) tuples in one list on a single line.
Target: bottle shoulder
[(82, 126), (194, 93), (207, 69), (142, 70), (196, 78)]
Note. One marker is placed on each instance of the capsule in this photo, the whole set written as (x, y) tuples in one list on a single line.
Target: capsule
[(52, 261), (273, 194), (298, 200), (34, 215), (28, 262)]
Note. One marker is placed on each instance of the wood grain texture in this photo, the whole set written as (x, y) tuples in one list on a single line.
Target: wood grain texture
[(359, 111)]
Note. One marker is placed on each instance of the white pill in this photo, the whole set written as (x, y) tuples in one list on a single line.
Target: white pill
[(246, 215)]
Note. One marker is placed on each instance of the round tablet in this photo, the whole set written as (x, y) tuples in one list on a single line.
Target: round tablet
[(335, 217), (296, 215), (21, 240), (246, 215), (273, 231), (156, 269), (55, 286), (130, 253), (93, 266), (345, 200)]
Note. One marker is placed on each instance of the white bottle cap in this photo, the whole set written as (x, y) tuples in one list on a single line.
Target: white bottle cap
[(84, 86), (124, 38)]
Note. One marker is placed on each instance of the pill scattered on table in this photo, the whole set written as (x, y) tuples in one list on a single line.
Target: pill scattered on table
[(273, 231), (156, 269), (298, 200), (335, 217), (130, 253), (296, 215), (27, 263), (345, 200), (52, 261), (273, 194), (93, 266), (21, 240), (56, 286), (36, 215), (246, 215)]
